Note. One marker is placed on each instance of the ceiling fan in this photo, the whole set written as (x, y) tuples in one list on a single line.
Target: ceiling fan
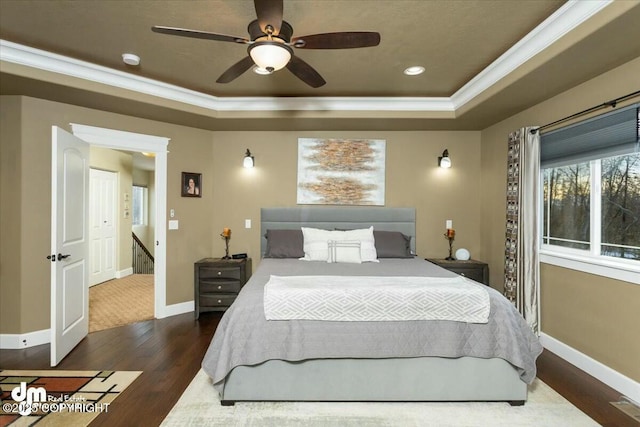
[(271, 44)]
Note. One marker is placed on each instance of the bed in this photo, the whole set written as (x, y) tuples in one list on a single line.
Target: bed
[(254, 359)]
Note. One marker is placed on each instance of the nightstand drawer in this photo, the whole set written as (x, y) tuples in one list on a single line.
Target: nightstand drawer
[(219, 285), (217, 300), (472, 273), (220, 272), (472, 269)]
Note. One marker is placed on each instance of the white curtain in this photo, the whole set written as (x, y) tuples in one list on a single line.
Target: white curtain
[(522, 237)]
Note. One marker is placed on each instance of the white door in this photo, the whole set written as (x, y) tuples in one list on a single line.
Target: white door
[(69, 243), (102, 226)]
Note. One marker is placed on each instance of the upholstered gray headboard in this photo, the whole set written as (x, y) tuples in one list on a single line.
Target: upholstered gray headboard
[(342, 217)]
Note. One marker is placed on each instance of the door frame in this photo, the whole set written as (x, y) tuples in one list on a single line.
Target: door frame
[(129, 141)]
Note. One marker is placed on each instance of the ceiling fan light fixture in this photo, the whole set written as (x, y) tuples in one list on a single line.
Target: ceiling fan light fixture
[(261, 71), (414, 70), (270, 56)]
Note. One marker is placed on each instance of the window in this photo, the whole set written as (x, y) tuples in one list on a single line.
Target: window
[(590, 174), (620, 195), (567, 203), (139, 205)]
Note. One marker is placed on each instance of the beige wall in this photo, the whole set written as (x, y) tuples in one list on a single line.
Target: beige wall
[(10, 207), (584, 311), (122, 164), (412, 179), (597, 315), (27, 286)]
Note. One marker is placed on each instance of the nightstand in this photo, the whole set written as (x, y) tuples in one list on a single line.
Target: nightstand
[(476, 270), (217, 282)]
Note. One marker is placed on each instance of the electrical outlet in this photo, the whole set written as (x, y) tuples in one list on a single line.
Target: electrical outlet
[(247, 223)]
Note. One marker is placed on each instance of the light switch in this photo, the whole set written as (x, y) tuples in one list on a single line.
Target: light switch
[(173, 224), (247, 223), (449, 224)]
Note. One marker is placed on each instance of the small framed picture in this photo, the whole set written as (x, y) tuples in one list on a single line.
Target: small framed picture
[(191, 184)]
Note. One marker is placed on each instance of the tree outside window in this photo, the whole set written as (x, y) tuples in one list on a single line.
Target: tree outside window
[(569, 200)]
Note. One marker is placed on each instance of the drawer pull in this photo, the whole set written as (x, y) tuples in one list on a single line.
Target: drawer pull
[(220, 287), (219, 273), (219, 301), (462, 274)]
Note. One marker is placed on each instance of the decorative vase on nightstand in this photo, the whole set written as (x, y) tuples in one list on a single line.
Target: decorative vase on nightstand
[(463, 255), (450, 235), (226, 235)]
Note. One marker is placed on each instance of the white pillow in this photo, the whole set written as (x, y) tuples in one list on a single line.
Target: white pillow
[(315, 243), (344, 251), (367, 243)]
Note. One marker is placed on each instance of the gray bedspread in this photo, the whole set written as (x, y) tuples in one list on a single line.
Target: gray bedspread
[(245, 337)]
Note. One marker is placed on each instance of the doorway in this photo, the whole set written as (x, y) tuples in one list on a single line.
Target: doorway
[(133, 142), (122, 207)]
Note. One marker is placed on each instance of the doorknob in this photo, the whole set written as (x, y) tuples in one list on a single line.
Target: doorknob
[(61, 257)]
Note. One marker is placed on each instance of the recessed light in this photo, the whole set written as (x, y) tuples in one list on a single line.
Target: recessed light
[(261, 71), (130, 59), (414, 71)]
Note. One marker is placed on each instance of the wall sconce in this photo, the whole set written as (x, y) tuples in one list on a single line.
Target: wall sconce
[(444, 161), (248, 161)]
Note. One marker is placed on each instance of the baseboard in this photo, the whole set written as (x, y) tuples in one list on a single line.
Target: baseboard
[(124, 273), (30, 339), (602, 372), (175, 309)]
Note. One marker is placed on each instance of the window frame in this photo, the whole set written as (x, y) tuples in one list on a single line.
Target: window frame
[(145, 207), (588, 261)]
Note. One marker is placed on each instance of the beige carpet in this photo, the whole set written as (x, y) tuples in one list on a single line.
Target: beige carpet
[(200, 406), (120, 302)]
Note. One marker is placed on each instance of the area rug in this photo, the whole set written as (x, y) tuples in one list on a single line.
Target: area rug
[(59, 398), (121, 302), (200, 405)]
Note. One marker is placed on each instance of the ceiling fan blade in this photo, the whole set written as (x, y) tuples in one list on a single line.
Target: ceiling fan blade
[(305, 72), (269, 12), (343, 40), (197, 34), (236, 70)]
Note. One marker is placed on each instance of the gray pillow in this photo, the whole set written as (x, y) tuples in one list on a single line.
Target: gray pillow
[(392, 244), (284, 244)]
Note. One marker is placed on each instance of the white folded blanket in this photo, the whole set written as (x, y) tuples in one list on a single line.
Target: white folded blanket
[(375, 298)]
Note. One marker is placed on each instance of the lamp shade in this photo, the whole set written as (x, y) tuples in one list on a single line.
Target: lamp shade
[(271, 56), (248, 161), (444, 161)]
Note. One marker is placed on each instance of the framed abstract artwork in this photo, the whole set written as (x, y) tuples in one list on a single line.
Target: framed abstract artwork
[(341, 171)]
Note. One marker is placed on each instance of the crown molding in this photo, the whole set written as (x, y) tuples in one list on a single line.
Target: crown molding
[(565, 19), (561, 22)]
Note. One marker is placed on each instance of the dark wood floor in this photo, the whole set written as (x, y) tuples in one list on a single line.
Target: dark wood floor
[(169, 352)]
